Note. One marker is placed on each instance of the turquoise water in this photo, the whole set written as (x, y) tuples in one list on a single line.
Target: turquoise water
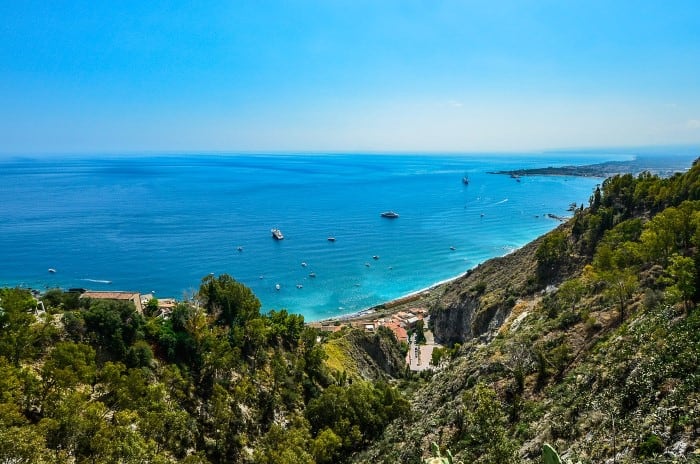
[(162, 223)]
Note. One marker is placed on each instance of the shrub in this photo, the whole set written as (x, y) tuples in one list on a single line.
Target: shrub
[(651, 445)]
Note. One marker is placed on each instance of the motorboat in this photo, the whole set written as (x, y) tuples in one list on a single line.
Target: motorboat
[(375, 257), (52, 270), (331, 239), (277, 234), (389, 214)]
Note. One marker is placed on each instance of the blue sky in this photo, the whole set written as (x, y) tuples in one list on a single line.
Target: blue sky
[(436, 76)]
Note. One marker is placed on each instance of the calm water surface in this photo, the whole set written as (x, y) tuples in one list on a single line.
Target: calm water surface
[(162, 223)]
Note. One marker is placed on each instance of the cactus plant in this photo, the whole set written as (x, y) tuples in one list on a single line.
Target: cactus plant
[(549, 455)]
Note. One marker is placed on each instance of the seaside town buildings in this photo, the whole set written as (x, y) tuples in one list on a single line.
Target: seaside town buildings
[(400, 323)]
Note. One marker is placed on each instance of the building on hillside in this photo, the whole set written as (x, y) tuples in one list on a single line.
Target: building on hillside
[(399, 332), (412, 321), (165, 305), (134, 297)]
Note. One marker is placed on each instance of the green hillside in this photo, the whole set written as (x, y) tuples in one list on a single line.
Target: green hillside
[(587, 339), (597, 353)]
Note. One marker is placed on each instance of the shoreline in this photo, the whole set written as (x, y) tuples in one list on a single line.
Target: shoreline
[(393, 305), (397, 304)]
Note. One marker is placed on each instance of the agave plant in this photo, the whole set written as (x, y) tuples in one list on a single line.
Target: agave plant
[(439, 458), (549, 455)]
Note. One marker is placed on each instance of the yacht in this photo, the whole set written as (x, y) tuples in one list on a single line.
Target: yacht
[(277, 234), (389, 214)]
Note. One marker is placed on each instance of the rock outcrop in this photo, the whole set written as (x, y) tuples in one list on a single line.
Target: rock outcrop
[(477, 304)]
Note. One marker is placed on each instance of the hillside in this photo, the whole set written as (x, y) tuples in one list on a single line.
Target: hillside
[(587, 339)]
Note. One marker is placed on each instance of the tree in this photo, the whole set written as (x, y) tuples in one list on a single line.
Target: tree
[(681, 276), (325, 447), (151, 308), (285, 446), (231, 302), (484, 431), (121, 441), (112, 326), (620, 285), (16, 337), (571, 292), (420, 332), (550, 255)]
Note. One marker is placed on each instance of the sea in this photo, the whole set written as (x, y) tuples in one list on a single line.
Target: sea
[(161, 223)]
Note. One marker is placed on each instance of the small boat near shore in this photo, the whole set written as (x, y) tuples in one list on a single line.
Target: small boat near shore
[(277, 234), (389, 214)]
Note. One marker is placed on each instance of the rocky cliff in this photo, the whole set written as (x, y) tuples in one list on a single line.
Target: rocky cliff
[(477, 304)]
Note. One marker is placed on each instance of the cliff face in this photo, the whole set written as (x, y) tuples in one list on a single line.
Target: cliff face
[(364, 355), (380, 354), (466, 320), (477, 304)]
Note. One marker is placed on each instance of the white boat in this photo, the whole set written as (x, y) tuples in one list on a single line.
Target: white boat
[(331, 239), (277, 286), (389, 214), (277, 234), (52, 270)]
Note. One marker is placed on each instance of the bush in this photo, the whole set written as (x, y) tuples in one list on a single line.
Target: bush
[(651, 445)]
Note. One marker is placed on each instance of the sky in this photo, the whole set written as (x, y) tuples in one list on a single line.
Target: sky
[(344, 76)]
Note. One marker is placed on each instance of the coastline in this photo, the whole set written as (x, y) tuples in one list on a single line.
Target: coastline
[(420, 297)]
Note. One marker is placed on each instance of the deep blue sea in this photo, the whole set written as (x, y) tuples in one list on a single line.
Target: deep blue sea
[(162, 223)]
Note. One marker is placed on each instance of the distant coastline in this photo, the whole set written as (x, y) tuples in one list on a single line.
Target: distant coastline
[(660, 165)]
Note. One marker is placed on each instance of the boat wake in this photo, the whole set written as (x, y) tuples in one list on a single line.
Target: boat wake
[(98, 281)]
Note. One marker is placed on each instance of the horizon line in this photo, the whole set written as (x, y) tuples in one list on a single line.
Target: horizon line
[(602, 150)]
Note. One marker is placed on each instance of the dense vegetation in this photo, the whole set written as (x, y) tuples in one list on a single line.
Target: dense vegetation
[(598, 356), (92, 381), (600, 353)]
